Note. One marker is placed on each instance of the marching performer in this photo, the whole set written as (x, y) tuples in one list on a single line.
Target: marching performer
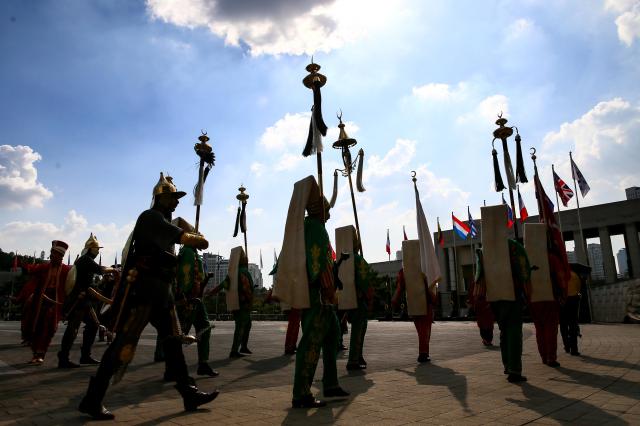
[(546, 295), (569, 312), (145, 296), (79, 305), (47, 281), (306, 280), (478, 300), (421, 295), (506, 272), (238, 286), (356, 295), (190, 283)]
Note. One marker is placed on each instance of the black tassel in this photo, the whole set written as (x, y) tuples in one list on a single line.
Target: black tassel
[(235, 231), (359, 185), (334, 195), (496, 172), (243, 219), (521, 175), (309, 146), (317, 109)]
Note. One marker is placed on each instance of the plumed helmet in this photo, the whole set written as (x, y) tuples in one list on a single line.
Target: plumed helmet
[(165, 185), (92, 242)]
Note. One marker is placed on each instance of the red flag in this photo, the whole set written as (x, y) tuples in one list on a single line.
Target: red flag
[(388, 248), (440, 235), (333, 253), (523, 209), (558, 262), (405, 233)]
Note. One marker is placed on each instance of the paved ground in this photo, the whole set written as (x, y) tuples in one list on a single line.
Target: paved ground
[(463, 385)]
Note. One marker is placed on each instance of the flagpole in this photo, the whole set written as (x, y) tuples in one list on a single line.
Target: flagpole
[(473, 264), (582, 242), (575, 186), (455, 267), (553, 172)]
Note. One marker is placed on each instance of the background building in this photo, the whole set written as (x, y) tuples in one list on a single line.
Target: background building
[(623, 265), (633, 193), (596, 262)]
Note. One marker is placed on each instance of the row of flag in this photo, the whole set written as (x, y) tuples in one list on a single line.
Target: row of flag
[(469, 229)]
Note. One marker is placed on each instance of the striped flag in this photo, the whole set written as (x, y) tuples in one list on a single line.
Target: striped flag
[(562, 189), (582, 183), (523, 209), (440, 235), (473, 231), (404, 233), (460, 227), (388, 248), (510, 220)]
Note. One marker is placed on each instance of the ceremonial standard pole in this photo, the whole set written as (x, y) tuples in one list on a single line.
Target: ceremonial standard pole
[(343, 143), (241, 219), (503, 133), (207, 158)]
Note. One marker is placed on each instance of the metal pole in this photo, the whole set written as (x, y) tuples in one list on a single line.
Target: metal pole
[(582, 242), (455, 268), (200, 172), (355, 212)]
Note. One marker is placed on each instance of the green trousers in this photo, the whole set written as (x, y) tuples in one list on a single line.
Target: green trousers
[(358, 320), (509, 318), (191, 314), (320, 331), (242, 318)]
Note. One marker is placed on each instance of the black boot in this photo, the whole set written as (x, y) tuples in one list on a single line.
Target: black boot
[(205, 370), (91, 404), (193, 398), (63, 361), (88, 359), (307, 401)]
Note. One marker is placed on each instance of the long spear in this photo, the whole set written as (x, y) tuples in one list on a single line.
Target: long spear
[(207, 158), (317, 128)]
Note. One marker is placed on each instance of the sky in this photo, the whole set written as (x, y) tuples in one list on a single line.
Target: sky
[(99, 96)]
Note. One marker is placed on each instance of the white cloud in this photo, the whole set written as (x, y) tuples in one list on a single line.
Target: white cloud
[(628, 20), (439, 92), (25, 236), (279, 26), (291, 130), (396, 160), (519, 28), (257, 168), (19, 186), (487, 110), (605, 146)]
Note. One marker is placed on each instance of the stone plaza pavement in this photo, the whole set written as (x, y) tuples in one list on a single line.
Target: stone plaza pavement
[(463, 385)]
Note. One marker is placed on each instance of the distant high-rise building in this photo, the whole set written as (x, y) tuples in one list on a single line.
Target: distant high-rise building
[(623, 265), (571, 256), (399, 255), (256, 275), (633, 193), (596, 261), (42, 254), (217, 265)]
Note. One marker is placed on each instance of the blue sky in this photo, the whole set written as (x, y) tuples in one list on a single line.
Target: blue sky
[(98, 97)]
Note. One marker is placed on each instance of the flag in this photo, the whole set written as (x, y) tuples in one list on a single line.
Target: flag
[(115, 262), (388, 248), (460, 227), (558, 261), (473, 231), (582, 183), (69, 259), (523, 209), (510, 220), (562, 189), (333, 253), (405, 233), (261, 259), (100, 261), (275, 258), (440, 234), (428, 260)]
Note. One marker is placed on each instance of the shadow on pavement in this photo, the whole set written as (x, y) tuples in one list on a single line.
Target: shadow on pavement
[(434, 375), (562, 409)]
